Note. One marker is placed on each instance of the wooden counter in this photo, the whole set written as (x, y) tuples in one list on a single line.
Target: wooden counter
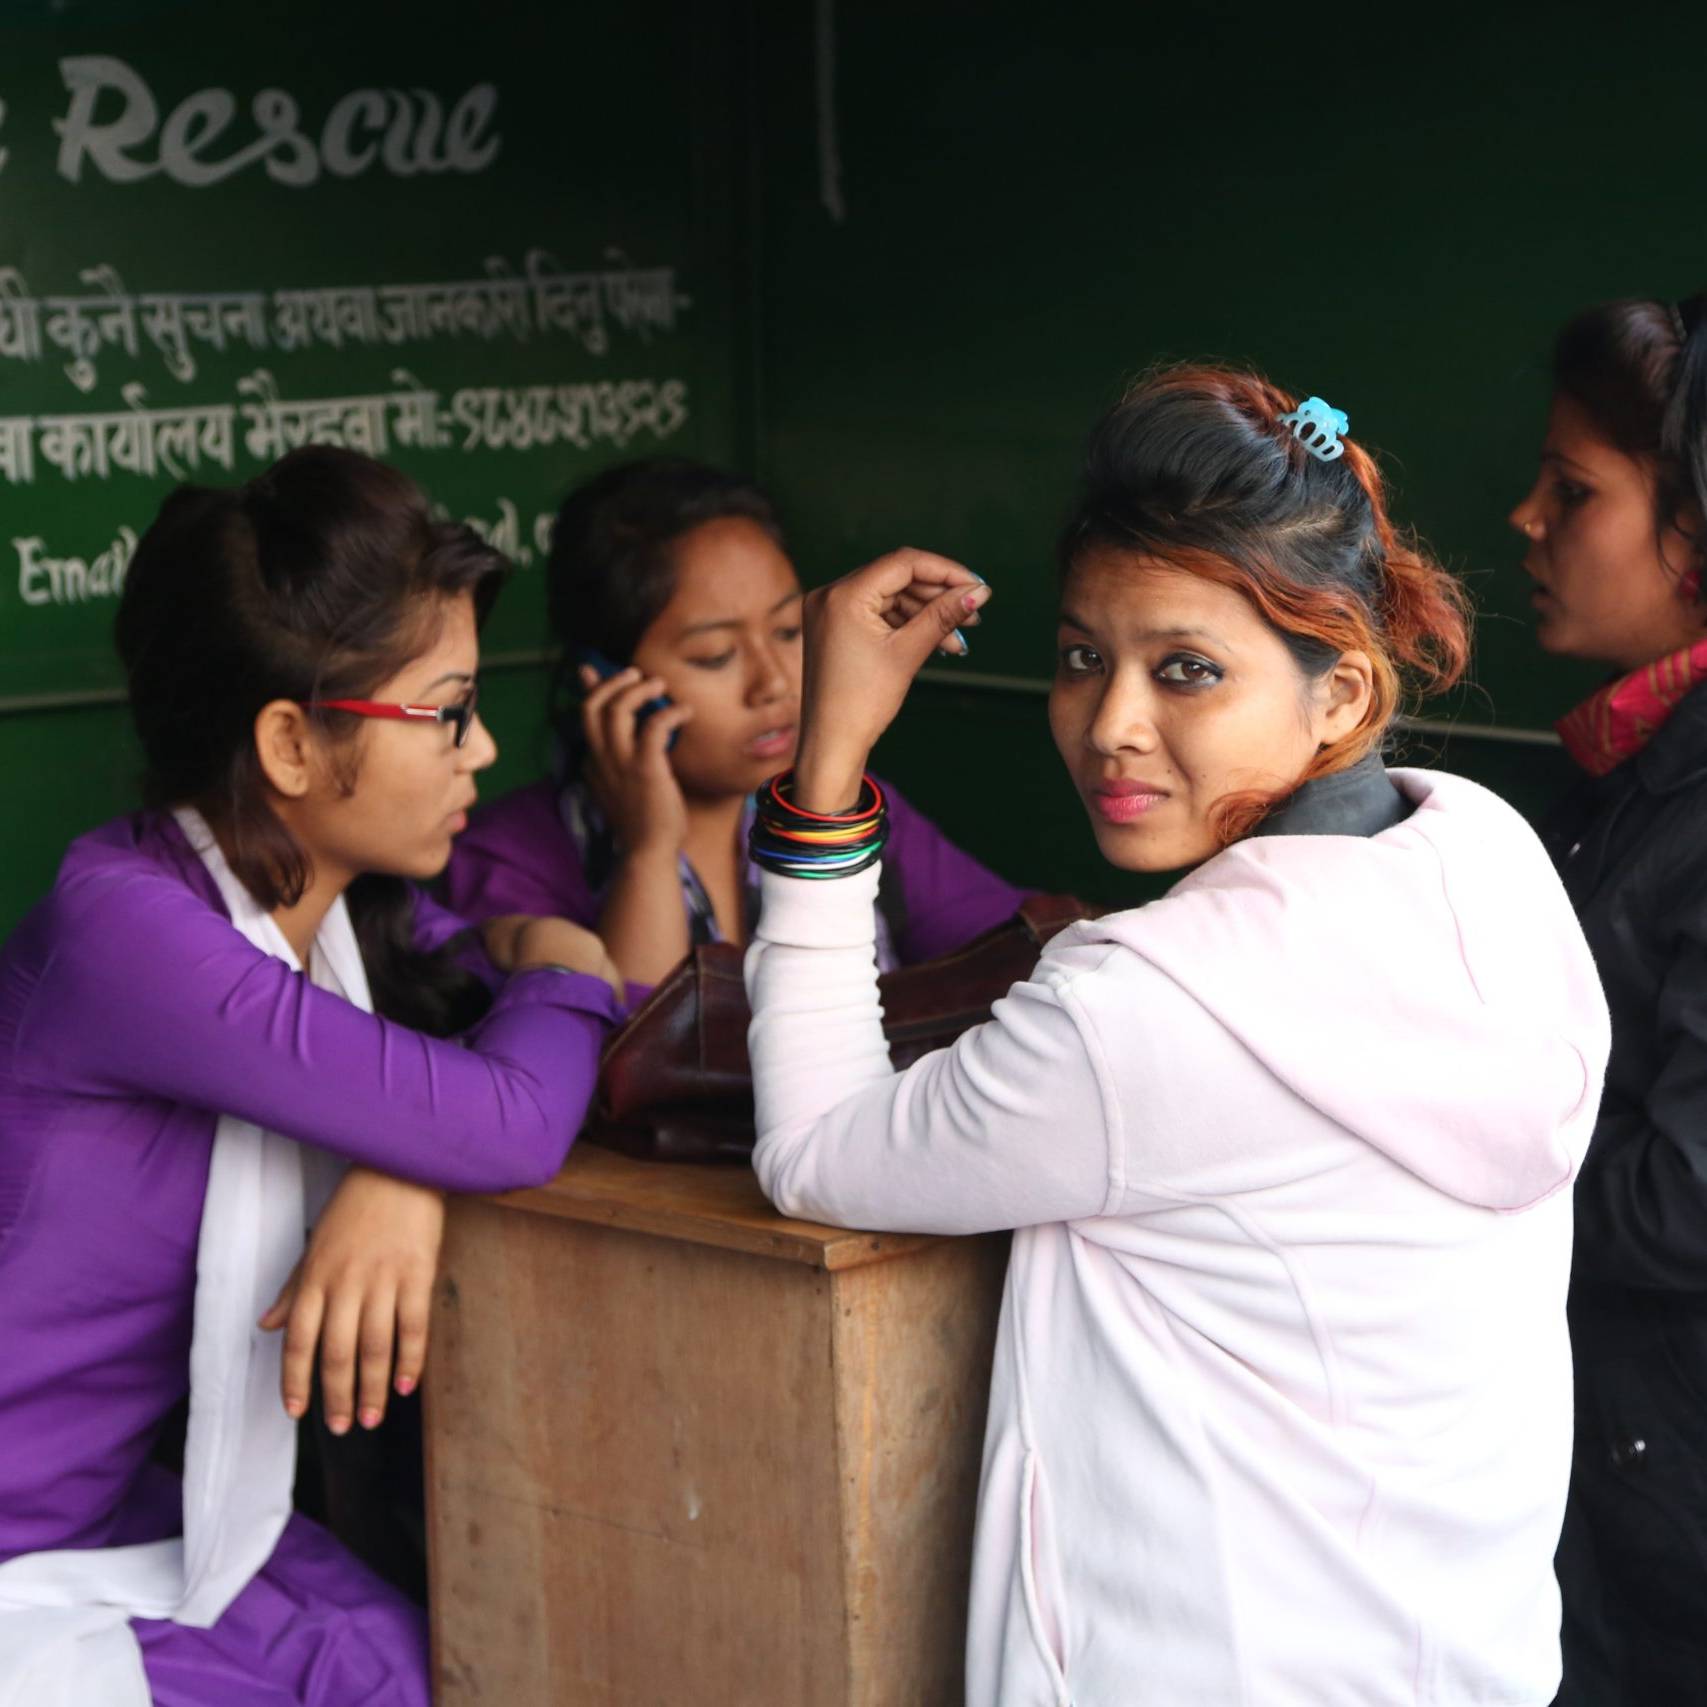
[(683, 1450)]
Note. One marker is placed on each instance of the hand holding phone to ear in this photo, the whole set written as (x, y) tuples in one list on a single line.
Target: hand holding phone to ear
[(628, 735)]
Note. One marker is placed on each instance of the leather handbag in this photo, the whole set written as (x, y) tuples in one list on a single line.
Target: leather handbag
[(675, 1083)]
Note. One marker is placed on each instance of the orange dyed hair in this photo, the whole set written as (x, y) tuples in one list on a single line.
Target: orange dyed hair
[(1193, 469)]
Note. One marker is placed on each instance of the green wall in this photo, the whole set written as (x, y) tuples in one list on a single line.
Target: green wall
[(1034, 206), (532, 228), (1039, 203)]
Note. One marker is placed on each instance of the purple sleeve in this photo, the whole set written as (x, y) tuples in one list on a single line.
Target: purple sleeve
[(435, 926), (149, 992), (516, 857), (947, 897)]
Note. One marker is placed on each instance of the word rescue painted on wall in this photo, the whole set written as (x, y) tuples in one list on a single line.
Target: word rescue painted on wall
[(120, 376), (113, 127)]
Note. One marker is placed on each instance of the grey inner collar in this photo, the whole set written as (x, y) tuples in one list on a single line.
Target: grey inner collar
[(1359, 802)]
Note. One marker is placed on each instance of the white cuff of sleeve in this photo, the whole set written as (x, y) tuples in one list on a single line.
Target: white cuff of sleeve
[(835, 912)]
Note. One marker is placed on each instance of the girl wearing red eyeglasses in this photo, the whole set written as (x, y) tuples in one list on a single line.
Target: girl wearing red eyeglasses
[(234, 1017)]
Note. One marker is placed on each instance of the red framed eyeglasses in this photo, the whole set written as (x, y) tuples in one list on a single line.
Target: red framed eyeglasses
[(459, 713)]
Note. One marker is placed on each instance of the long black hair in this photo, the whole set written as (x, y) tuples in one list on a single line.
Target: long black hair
[(319, 579), (1639, 367)]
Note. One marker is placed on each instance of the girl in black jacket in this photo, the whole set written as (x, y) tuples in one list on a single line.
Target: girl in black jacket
[(1614, 529)]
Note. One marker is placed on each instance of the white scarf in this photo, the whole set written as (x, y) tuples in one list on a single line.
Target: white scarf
[(65, 1636)]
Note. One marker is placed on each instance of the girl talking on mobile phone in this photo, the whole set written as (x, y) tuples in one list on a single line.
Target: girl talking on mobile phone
[(678, 574)]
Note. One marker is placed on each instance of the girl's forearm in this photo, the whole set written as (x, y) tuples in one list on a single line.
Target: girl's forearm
[(644, 924)]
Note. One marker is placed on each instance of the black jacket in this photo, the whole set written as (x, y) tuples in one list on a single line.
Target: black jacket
[(1632, 850)]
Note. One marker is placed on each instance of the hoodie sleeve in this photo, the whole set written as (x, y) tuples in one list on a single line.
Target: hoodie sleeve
[(1010, 1127), (1641, 1198)]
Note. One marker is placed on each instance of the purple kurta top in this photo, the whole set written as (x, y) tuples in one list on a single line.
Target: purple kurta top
[(132, 1015), (517, 856)]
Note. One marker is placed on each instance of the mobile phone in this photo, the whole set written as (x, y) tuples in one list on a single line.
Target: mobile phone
[(604, 669)]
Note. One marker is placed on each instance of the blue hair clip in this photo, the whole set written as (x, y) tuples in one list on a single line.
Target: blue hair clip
[(1317, 427)]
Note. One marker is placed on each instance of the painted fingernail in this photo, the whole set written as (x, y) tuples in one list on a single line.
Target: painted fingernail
[(975, 598), (405, 1385), (338, 1425), (294, 1407), (370, 1417), (965, 644)]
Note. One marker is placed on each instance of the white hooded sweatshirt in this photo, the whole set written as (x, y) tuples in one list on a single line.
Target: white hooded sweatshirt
[(1280, 1414)]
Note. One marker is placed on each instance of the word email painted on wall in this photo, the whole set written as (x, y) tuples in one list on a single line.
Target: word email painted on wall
[(210, 258)]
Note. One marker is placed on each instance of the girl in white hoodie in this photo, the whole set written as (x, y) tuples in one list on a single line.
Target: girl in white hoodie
[(1280, 1410)]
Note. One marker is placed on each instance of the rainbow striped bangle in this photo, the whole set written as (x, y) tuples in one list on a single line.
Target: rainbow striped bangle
[(793, 842)]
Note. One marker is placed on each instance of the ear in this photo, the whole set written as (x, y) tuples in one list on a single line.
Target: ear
[(286, 744), (1343, 696)]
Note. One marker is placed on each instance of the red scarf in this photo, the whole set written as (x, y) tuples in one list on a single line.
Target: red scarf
[(1618, 720)]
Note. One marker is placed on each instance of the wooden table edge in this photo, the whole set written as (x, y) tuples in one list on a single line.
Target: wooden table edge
[(704, 1203)]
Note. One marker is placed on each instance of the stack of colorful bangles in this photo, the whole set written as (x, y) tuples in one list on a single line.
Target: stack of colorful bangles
[(793, 842)]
